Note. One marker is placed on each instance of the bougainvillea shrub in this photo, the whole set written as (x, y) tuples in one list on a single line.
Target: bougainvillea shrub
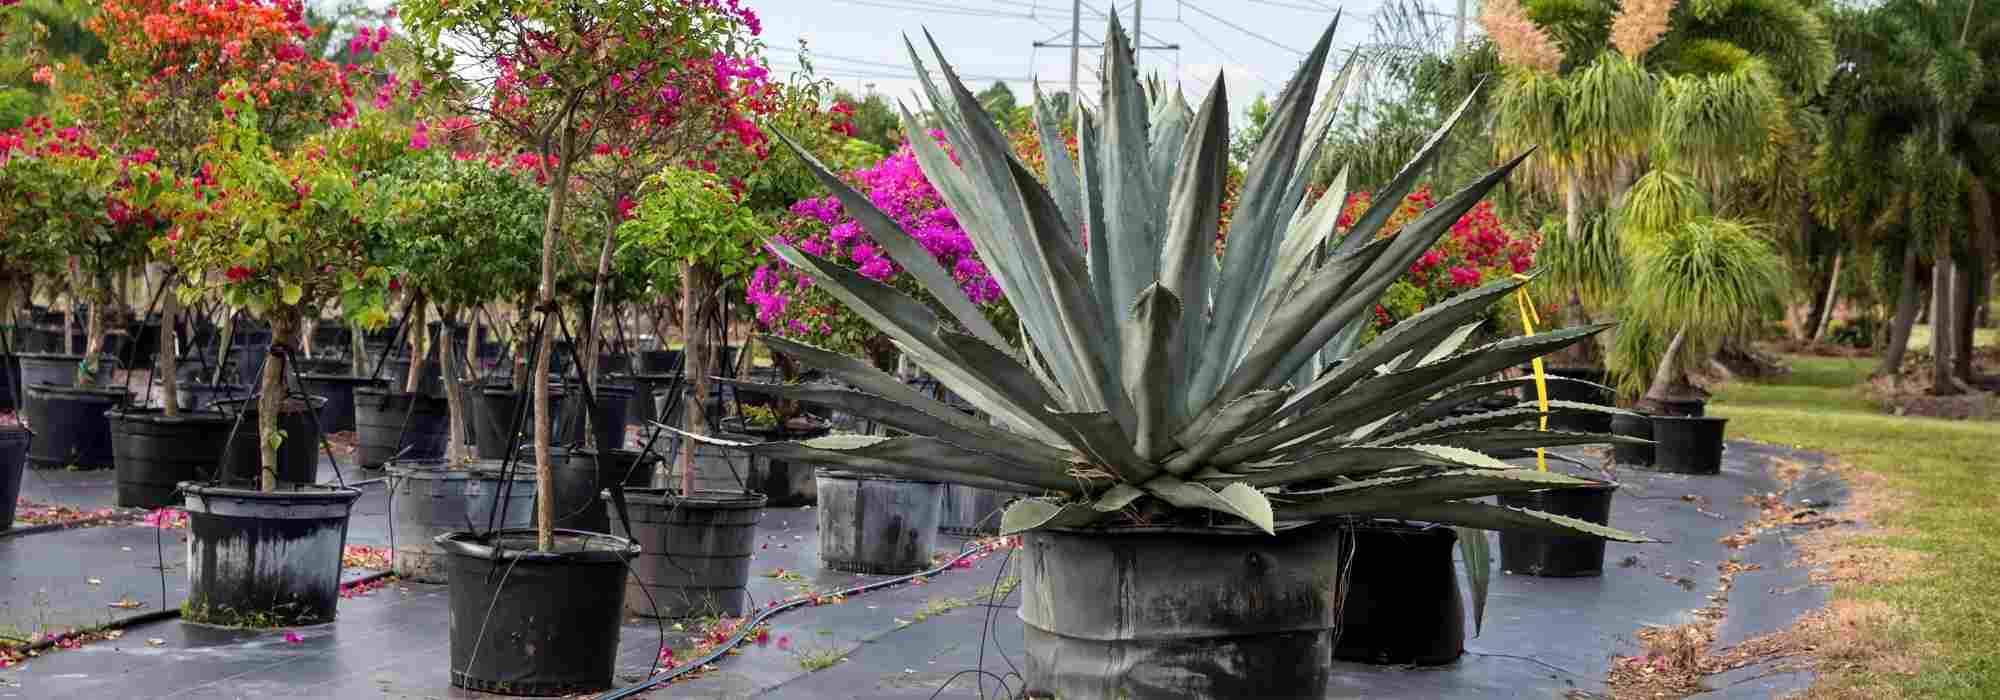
[(1481, 247)]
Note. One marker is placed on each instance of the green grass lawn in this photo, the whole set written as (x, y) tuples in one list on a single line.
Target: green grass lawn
[(1920, 337), (1946, 475)]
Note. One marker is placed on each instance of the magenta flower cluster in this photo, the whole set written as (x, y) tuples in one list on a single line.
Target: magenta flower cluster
[(819, 226)]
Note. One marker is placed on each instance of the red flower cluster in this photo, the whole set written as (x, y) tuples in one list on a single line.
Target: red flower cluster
[(1480, 248)]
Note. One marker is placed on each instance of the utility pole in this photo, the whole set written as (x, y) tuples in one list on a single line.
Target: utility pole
[(1461, 25), (1076, 46), (1138, 35)]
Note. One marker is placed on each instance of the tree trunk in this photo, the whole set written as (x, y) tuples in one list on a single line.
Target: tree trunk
[(223, 341), (591, 336), (696, 295), (454, 448), (1826, 304), (545, 482), (357, 349), (93, 345), (1944, 331), (169, 364), (271, 399), (1966, 285), (69, 312), (1667, 375), (1905, 317), (419, 353)]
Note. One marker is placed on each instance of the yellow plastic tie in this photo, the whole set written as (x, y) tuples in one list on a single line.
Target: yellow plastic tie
[(1528, 320)]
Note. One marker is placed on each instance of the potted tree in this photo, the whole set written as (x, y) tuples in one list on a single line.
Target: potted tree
[(1161, 466), (291, 231), (554, 78)]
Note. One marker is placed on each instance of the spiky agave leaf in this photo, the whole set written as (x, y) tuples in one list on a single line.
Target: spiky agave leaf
[(1153, 373)]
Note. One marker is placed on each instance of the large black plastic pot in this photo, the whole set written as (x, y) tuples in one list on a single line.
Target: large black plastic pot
[(70, 426), (787, 484), (1688, 444), (201, 395), (298, 455), (427, 499), (871, 524), (337, 414), (398, 426), (1174, 612), (970, 511), (59, 369), (585, 473), (525, 622), (13, 460), (1535, 554), (1638, 426), (1683, 407), (1399, 600), (265, 558), (154, 453), (607, 424), (655, 361), (1566, 391), (397, 371), (10, 381), (492, 432), (695, 551)]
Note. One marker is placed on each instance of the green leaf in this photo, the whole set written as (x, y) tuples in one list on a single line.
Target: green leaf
[(1130, 205), (1235, 499), (921, 458), (293, 293), (1151, 353), (1476, 550), (954, 428), (1506, 417), (1187, 257), (1486, 516), (1350, 461), (1395, 494)]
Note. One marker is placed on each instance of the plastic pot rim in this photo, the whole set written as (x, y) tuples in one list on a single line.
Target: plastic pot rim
[(472, 544)]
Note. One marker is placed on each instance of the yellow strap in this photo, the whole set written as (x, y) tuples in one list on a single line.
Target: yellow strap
[(1528, 320)]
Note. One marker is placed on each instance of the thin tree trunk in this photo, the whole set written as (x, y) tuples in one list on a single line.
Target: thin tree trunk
[(454, 448), (591, 336), (357, 349), (1826, 304), (696, 295), (93, 345), (284, 331), (1667, 375), (545, 482), (419, 353), (1905, 317), (227, 338), (1944, 332), (1965, 284), (169, 364), (69, 312)]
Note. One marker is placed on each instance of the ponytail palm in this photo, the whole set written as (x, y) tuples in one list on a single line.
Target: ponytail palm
[(1154, 380)]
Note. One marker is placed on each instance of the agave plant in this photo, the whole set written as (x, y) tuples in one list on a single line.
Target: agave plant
[(1156, 379)]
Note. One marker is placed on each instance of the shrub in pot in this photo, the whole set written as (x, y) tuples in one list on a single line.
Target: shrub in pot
[(1162, 456)]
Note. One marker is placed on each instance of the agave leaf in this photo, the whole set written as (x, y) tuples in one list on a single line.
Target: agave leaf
[(1303, 240), (1404, 337), (969, 433), (1391, 493), (1082, 321), (1096, 249), (902, 247), (1152, 350), (1253, 230), (1292, 320), (1506, 417), (1464, 394), (1094, 433), (1033, 513), (1063, 182), (1409, 244), (1496, 440), (1187, 258), (1386, 394), (1350, 461), (1169, 128), (1390, 197), (1449, 342), (1231, 420), (1130, 207), (903, 457), (874, 381), (1486, 516), (1476, 550), (1235, 499)]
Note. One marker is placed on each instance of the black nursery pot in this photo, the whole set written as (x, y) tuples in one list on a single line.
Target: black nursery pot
[(1638, 426), (265, 558), (298, 455), (398, 426), (70, 426), (154, 452), (203, 395), (1558, 556), (59, 369), (13, 460), (787, 484), (337, 414), (870, 524), (1565, 391), (580, 478), (695, 551), (493, 426), (10, 381), (607, 424), (654, 361), (970, 511), (525, 622), (1399, 601), (1688, 444)]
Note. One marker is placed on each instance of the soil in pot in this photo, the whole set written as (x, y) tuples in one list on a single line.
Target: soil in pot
[(1534, 554), (695, 551), (13, 461), (298, 455), (154, 453), (398, 426), (1688, 444), (970, 511), (872, 524), (494, 432), (59, 369), (1399, 601), (337, 415), (70, 427), (586, 473), (525, 622), (426, 499), (607, 423), (265, 559), (1638, 426), (1180, 612)]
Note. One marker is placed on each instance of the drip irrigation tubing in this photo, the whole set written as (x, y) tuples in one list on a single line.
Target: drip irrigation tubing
[(743, 631), (128, 621)]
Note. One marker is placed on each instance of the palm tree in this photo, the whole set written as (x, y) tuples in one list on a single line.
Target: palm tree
[(1913, 160)]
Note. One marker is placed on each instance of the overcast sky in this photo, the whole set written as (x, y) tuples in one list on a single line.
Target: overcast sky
[(1256, 43)]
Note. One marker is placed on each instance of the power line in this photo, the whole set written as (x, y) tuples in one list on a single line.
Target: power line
[(922, 6), (1240, 28), (1259, 77)]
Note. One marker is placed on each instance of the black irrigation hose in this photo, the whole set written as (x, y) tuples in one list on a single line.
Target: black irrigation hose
[(128, 621), (51, 527), (744, 630)]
